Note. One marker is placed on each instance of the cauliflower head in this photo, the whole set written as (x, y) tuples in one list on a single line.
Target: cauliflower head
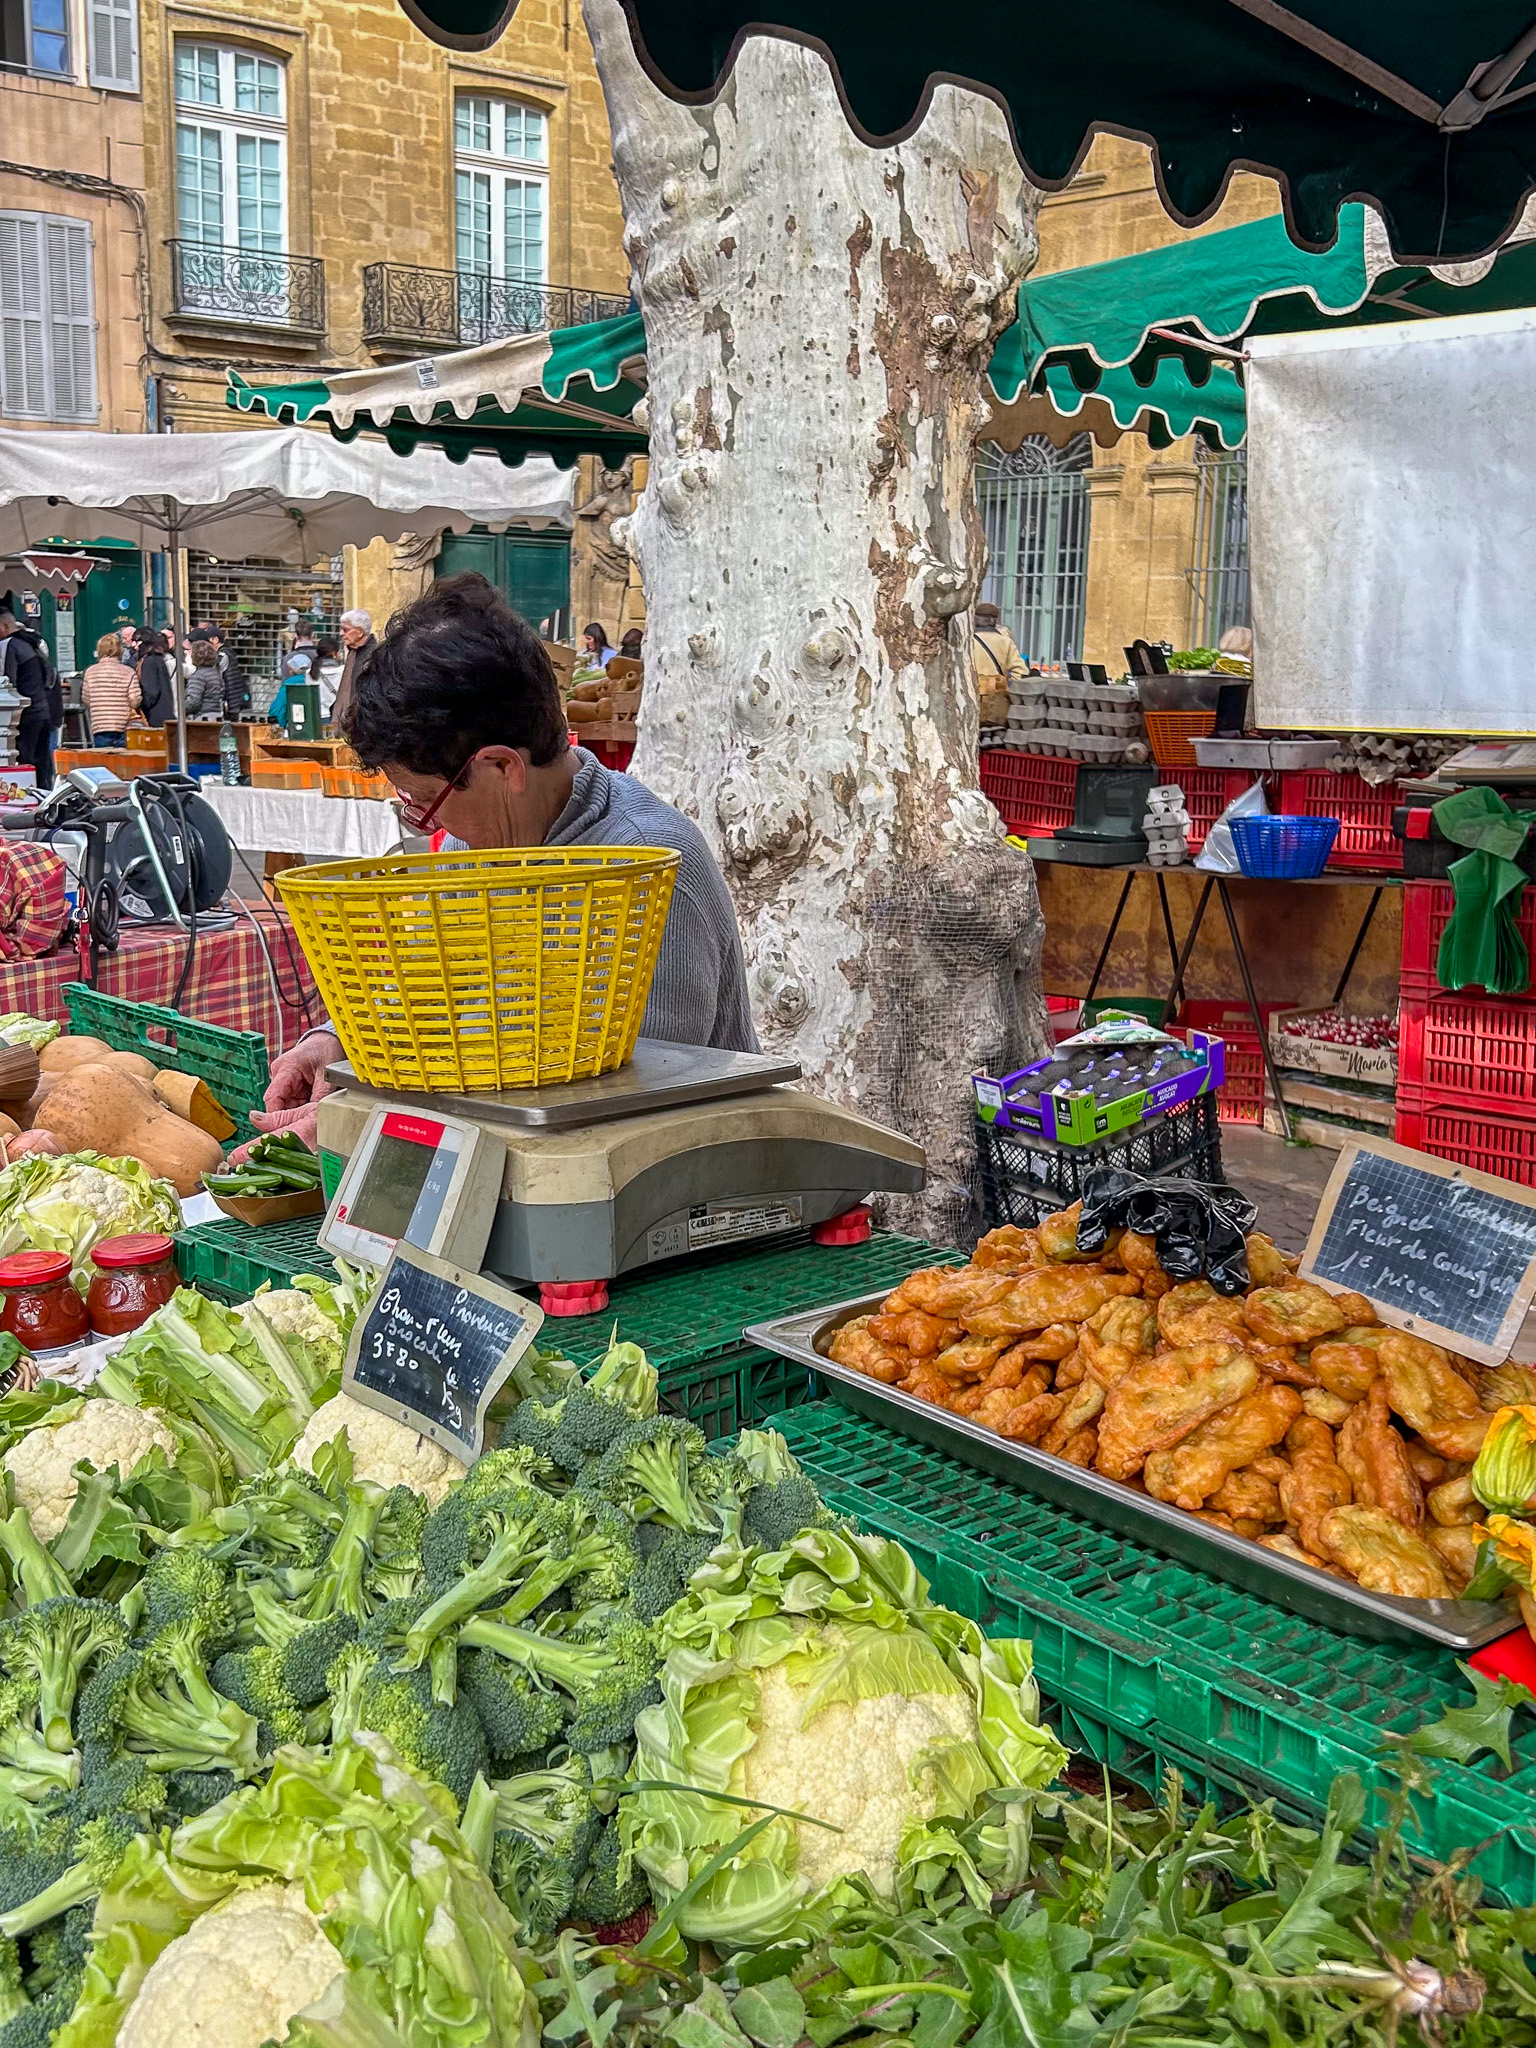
[(860, 1765), (236, 1977), (294, 1313), (383, 1450), (103, 1433)]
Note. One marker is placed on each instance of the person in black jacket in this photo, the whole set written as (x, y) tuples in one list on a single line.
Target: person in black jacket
[(159, 698), (27, 672)]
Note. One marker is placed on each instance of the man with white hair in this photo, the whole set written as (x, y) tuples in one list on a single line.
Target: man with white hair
[(357, 638)]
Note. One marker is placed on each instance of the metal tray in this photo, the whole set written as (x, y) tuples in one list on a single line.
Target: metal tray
[(1454, 1624)]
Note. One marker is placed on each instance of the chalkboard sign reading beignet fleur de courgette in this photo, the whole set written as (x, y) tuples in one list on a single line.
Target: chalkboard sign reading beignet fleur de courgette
[(1441, 1250), (435, 1345)]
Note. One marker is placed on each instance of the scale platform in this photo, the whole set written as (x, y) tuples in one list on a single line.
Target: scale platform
[(683, 1150)]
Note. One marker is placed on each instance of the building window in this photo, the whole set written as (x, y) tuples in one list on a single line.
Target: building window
[(47, 318), (231, 149), (1220, 574), (501, 215), (34, 36), (114, 36), (1034, 508)]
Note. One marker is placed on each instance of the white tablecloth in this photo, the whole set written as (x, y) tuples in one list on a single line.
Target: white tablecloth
[(304, 821)]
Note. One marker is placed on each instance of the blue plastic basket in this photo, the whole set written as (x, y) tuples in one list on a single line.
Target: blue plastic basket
[(1281, 849)]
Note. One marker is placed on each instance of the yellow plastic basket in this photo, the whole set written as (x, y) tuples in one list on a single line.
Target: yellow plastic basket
[(501, 969)]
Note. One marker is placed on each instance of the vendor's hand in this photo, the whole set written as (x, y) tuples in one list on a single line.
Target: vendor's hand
[(298, 1078), (304, 1121)]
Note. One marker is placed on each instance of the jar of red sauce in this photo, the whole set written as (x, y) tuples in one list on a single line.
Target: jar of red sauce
[(42, 1310), (134, 1276)]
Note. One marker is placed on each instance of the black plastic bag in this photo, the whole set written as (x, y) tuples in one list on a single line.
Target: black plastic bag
[(1198, 1226)]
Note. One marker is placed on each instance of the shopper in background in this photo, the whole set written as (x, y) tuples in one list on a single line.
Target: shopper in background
[(327, 672), (205, 685), (133, 645), (632, 646), (357, 638), (998, 661), (110, 691), (157, 697), (26, 670), (301, 657), (595, 649)]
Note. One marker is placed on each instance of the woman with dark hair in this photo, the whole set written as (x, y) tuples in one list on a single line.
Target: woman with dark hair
[(158, 697), (595, 650), (459, 706)]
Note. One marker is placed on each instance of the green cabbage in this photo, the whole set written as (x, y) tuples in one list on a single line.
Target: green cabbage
[(18, 1028), (822, 1681), (430, 1952), (71, 1203)]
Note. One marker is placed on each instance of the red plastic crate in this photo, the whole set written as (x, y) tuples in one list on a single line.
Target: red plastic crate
[(1207, 792), (1240, 1099), (1364, 813), (1468, 1134), (1427, 908), (1480, 1049), (1033, 792)]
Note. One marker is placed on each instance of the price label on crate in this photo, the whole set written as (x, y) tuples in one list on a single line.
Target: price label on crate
[(1440, 1249), (435, 1345)]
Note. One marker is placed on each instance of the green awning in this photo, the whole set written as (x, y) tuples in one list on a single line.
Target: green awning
[(565, 393), (1339, 100), (1129, 333)]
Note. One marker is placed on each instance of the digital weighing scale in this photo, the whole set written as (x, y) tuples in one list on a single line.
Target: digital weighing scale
[(682, 1150)]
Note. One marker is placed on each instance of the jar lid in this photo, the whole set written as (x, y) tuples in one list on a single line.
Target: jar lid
[(33, 1269), (137, 1248)]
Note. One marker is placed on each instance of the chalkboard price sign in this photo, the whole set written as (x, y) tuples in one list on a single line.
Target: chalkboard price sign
[(1441, 1250), (434, 1346)]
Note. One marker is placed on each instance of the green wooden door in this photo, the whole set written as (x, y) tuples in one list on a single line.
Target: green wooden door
[(532, 570)]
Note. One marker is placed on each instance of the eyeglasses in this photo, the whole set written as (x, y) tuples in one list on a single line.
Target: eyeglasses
[(417, 819)]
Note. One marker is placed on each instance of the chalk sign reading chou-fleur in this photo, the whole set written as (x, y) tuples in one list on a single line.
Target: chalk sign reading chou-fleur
[(435, 1345), (1442, 1250)]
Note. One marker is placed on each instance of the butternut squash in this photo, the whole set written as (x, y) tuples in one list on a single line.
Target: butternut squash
[(106, 1109), (31, 1142), (186, 1096), (65, 1054)]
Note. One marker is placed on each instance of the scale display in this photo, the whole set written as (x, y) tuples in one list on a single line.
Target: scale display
[(426, 1181)]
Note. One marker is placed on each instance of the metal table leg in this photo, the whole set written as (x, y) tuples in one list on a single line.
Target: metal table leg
[(1109, 936), (1181, 961), (1159, 875), (1254, 1011), (1354, 951)]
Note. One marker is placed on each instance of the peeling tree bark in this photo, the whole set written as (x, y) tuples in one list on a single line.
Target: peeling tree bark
[(818, 318)]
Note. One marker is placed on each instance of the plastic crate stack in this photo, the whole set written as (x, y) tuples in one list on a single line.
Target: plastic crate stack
[(1466, 1087), (1241, 1099), (1033, 793), (1363, 809), (1022, 1179), (1207, 792)]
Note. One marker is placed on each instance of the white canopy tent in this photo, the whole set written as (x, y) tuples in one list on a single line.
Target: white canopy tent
[(287, 494)]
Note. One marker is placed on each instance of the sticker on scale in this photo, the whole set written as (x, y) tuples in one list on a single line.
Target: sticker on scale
[(724, 1223)]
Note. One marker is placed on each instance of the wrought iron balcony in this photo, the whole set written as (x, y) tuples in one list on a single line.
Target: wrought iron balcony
[(248, 287), (411, 307)]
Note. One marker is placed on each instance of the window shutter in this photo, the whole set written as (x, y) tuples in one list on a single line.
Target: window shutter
[(23, 314), (71, 319), (114, 45)]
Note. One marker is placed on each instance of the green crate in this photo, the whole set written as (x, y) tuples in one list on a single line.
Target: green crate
[(725, 1395), (1264, 1700), (233, 1063), (232, 1259), (682, 1316)]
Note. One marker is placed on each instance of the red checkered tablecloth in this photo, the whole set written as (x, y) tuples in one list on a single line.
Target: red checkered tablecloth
[(229, 984)]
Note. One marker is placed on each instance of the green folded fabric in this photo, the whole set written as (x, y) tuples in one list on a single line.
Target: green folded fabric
[(1482, 946)]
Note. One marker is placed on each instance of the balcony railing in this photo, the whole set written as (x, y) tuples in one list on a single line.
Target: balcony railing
[(458, 308), (251, 287)]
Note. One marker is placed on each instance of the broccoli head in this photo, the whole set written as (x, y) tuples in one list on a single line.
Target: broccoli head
[(256, 1680), (614, 1887), (96, 1851), (56, 1955), (111, 1783), (278, 1518), (476, 1548), (186, 1586), (57, 1643), (156, 1702), (657, 1470), (446, 1742), (521, 1717), (190, 1793), (530, 1427), (29, 1769), (394, 1571), (781, 1499), (309, 1654), (13, 1993), (667, 1564), (608, 1681)]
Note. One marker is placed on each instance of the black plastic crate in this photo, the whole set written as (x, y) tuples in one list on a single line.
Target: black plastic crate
[(1020, 1179)]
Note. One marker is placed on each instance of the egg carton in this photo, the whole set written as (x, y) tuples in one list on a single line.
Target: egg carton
[(1128, 724), (1167, 853), (1073, 746)]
